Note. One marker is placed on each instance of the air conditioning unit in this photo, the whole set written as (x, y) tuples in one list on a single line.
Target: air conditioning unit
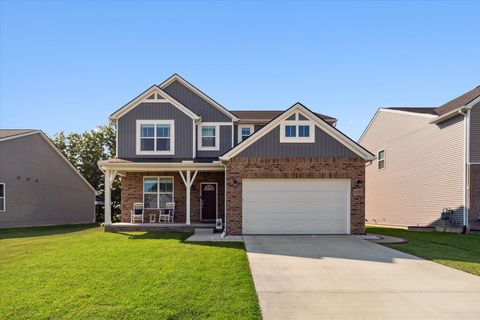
[(219, 224)]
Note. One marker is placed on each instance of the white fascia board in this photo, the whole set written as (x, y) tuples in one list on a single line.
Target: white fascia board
[(159, 166), (322, 124), (199, 93), (154, 89)]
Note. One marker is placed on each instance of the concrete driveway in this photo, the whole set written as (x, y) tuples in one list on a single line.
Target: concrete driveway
[(345, 277)]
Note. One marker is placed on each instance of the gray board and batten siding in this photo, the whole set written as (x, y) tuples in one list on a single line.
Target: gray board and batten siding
[(197, 104), (270, 146), (127, 126)]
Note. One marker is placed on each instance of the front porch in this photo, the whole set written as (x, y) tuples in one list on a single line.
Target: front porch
[(165, 227), (197, 189)]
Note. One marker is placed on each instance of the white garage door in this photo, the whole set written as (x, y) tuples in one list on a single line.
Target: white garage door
[(296, 206)]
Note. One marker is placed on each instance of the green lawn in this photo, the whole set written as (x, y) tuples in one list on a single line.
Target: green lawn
[(81, 272), (460, 251)]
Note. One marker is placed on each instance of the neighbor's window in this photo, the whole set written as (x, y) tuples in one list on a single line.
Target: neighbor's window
[(2, 197), (157, 191), (381, 159), (155, 137)]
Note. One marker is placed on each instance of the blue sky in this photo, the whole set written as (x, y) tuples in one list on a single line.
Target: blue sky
[(68, 65)]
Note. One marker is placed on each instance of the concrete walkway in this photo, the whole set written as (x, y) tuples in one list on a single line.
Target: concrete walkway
[(343, 277)]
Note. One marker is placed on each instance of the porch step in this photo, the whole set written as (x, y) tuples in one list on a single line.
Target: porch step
[(203, 230)]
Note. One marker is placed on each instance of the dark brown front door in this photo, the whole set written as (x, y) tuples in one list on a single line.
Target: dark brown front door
[(208, 201)]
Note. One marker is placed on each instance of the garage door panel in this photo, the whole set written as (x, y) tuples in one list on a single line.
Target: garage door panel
[(296, 206), (296, 196)]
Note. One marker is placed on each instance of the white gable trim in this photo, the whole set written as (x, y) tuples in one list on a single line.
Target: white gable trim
[(199, 93), (322, 124), (140, 99), (50, 143)]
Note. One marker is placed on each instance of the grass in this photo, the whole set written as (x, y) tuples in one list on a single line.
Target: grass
[(459, 251), (81, 272)]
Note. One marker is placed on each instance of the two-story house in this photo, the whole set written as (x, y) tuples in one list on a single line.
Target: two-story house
[(258, 172), (428, 160)]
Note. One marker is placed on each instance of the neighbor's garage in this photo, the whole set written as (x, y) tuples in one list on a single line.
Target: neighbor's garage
[(296, 206)]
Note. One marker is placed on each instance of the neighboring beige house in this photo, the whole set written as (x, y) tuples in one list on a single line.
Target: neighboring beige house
[(427, 159), (38, 186)]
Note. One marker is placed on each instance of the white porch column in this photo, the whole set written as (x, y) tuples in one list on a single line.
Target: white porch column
[(188, 181), (109, 177)]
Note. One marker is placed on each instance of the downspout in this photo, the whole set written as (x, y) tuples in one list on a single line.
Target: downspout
[(224, 233), (466, 113)]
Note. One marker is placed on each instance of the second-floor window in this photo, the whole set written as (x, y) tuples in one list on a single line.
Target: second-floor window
[(244, 131), (208, 136), (155, 137)]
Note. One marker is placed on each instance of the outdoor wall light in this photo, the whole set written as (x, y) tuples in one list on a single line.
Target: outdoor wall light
[(235, 183), (359, 183)]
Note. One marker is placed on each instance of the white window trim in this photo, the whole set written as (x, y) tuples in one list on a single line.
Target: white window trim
[(297, 122), (384, 158), (4, 198), (217, 136), (156, 122), (158, 193), (242, 126)]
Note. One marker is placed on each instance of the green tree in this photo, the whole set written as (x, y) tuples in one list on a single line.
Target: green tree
[(84, 151)]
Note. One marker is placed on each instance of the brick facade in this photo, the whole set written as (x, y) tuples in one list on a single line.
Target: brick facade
[(295, 168), (474, 197), (132, 191)]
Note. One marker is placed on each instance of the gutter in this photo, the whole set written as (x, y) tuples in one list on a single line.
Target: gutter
[(466, 113), (451, 114)]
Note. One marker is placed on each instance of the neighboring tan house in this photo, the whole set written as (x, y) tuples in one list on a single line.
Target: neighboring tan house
[(258, 172), (428, 159), (38, 186)]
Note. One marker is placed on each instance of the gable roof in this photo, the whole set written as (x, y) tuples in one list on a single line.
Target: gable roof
[(424, 110), (139, 99), (459, 102), (322, 124), (198, 92), (7, 133), (10, 134), (265, 116)]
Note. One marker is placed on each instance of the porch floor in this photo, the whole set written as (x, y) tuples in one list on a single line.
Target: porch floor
[(167, 227)]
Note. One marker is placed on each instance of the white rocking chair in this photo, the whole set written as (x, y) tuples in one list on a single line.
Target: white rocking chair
[(168, 214), (137, 212)]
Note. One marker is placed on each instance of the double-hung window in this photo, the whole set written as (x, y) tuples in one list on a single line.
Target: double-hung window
[(381, 159), (244, 131), (2, 197), (157, 191), (208, 136), (297, 129), (155, 137)]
